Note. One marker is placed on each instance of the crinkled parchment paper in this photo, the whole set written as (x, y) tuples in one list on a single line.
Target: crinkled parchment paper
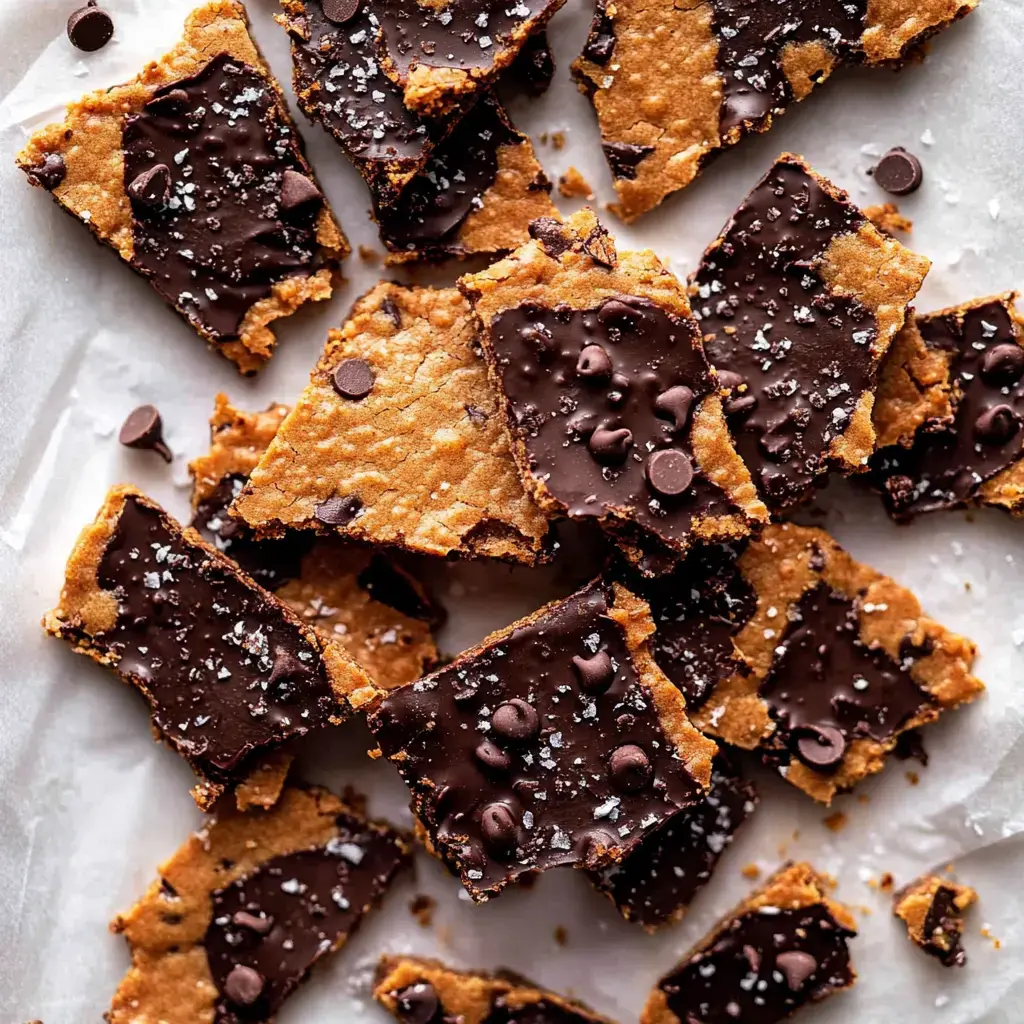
[(89, 804)]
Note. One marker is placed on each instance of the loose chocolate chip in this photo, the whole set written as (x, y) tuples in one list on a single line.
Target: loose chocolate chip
[(352, 378), (610, 446), (297, 191), (623, 158), (797, 966), (286, 666), (259, 925), (996, 425), (490, 755), (498, 828), (595, 673), (1003, 365), (152, 187), (669, 472), (338, 511), (675, 405), (899, 172), (50, 173), (515, 720), (144, 429), (629, 768), (417, 1004), (90, 28), (594, 363), (243, 986), (821, 747)]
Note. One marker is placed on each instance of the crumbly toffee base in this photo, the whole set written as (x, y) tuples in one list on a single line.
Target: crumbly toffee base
[(93, 190), (421, 462), (932, 907), (331, 583), (788, 563)]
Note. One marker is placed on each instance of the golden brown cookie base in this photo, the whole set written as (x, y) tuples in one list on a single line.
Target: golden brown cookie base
[(913, 905), (425, 452)]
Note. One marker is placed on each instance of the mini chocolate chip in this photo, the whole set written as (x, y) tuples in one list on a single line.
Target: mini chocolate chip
[(899, 172), (675, 404), (259, 925), (595, 673), (152, 187), (740, 405), (498, 828), (821, 746), (594, 363), (144, 429), (352, 378), (629, 768), (243, 986), (298, 191), (515, 720), (50, 173), (610, 446), (669, 472), (340, 11), (599, 48), (90, 28), (729, 380), (286, 666), (338, 511), (417, 1004), (797, 966), (490, 755), (1003, 364), (616, 312), (996, 425)]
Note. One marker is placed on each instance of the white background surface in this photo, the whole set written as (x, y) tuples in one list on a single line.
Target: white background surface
[(89, 804)]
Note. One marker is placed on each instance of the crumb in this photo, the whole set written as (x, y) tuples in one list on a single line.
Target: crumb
[(886, 882), (913, 778), (836, 822), (561, 935), (422, 907), (863, 798), (986, 932), (750, 871), (558, 140), (543, 138), (573, 185), (967, 586), (782, 848), (369, 255), (888, 219), (864, 911)]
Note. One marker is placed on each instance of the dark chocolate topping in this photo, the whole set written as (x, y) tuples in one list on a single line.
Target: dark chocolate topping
[(202, 646), (50, 173), (746, 974), (224, 237), (949, 462), (663, 874), (426, 218), (827, 687), (309, 902), (751, 40), (942, 929), (590, 435), (624, 158), (523, 695), (387, 583), (543, 1011), (767, 316), (90, 28)]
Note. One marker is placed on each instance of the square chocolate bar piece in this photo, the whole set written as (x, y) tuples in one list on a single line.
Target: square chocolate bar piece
[(798, 301), (210, 197), (556, 742)]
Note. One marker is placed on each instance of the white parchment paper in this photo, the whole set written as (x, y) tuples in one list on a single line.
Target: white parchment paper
[(89, 804)]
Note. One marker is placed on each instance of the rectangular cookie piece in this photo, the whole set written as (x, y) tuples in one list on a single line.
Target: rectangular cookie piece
[(555, 742), (798, 301), (350, 594), (782, 948), (656, 883), (674, 84), (247, 906), (840, 661), (396, 440), (420, 991), (932, 909), (613, 411), (476, 195), (232, 249), (949, 410), (230, 673)]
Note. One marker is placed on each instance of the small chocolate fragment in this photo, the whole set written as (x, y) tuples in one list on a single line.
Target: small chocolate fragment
[(596, 673), (629, 768), (898, 172), (515, 720), (338, 511), (352, 378), (243, 986), (298, 192), (50, 173), (90, 28), (152, 187), (143, 429)]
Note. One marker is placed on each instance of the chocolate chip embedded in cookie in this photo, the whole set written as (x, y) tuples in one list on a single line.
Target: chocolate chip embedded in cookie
[(674, 84), (421, 462), (613, 411), (932, 909), (230, 673), (785, 946), (949, 411), (243, 911), (798, 301), (555, 742), (211, 198)]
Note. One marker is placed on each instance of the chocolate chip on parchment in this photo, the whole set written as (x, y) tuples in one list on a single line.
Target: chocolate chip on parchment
[(50, 173), (143, 429), (899, 172), (596, 673), (90, 28), (298, 192), (152, 187)]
